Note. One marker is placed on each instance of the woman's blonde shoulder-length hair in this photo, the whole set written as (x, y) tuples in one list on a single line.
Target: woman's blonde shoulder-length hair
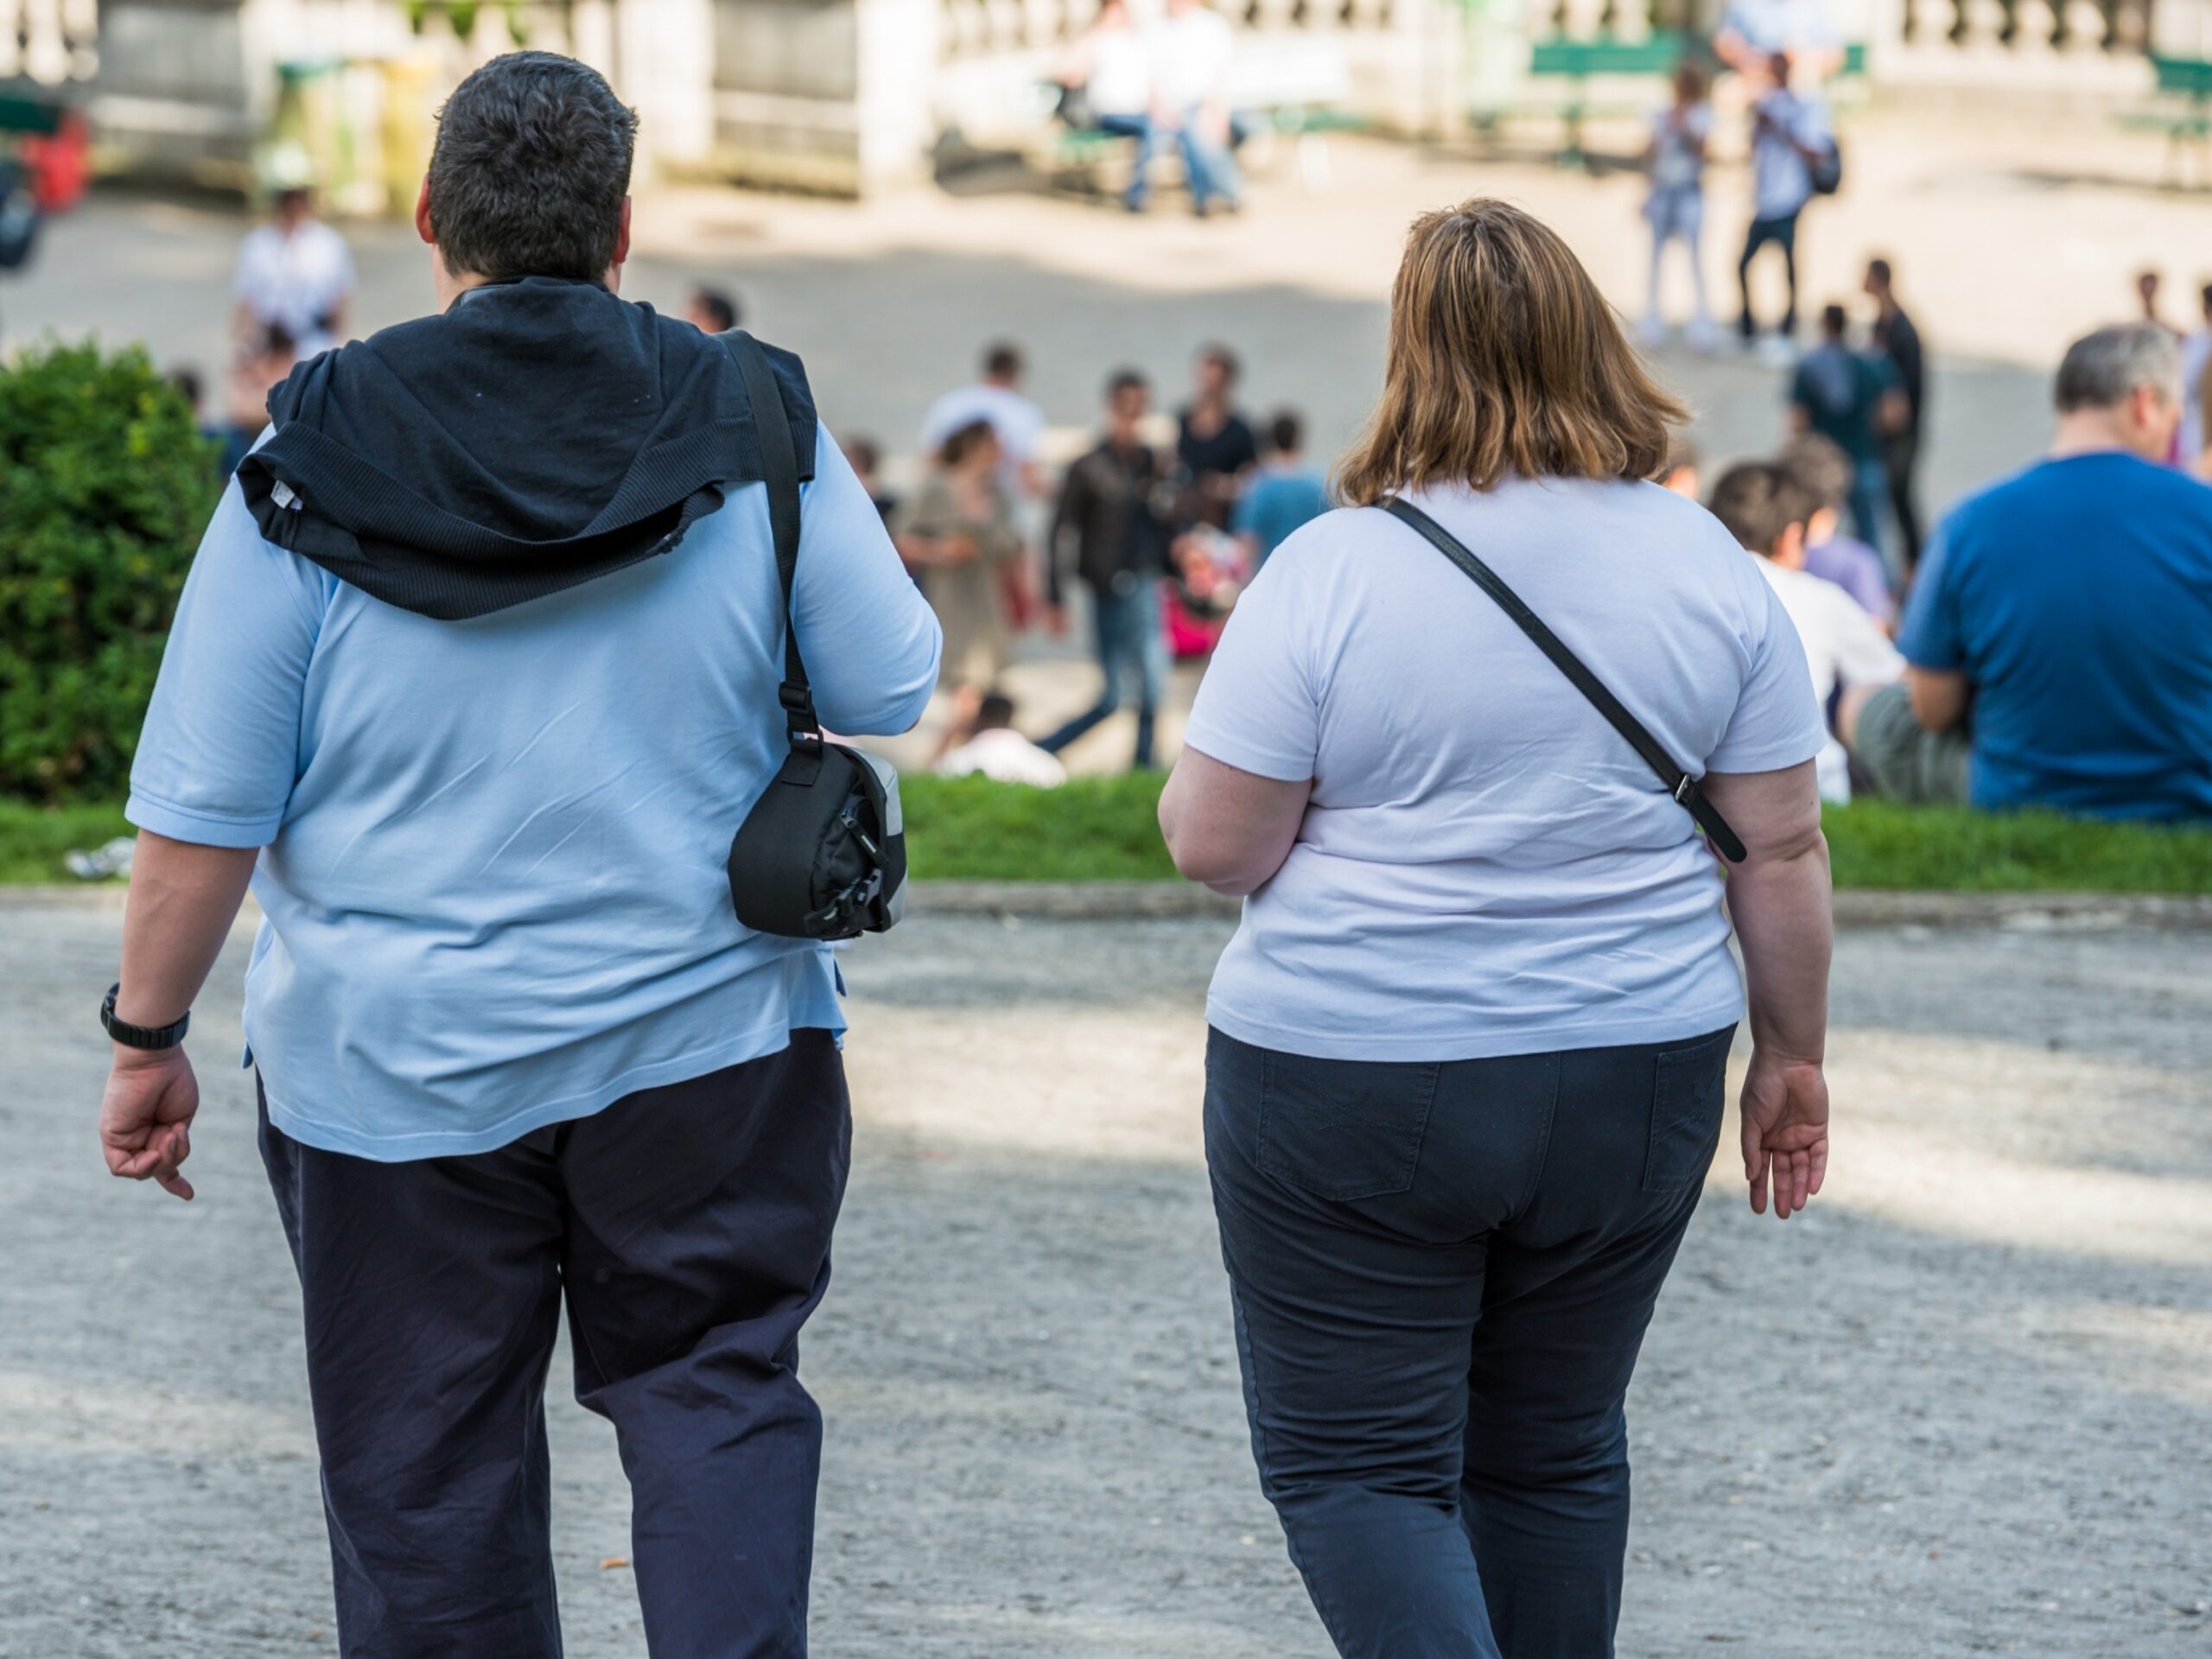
[(1504, 358)]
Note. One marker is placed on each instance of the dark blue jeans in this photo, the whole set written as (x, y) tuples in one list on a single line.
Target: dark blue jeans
[(1441, 1275), (688, 1228), (1783, 232), (1131, 641)]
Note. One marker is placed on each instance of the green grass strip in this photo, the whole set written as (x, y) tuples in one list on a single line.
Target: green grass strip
[(1103, 830)]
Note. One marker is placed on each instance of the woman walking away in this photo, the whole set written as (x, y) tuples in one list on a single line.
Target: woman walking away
[(1675, 163), (1465, 1074)]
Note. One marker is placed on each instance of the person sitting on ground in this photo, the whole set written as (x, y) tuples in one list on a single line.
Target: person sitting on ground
[(262, 363), (1680, 473), (957, 529), (711, 310), (1818, 467), (994, 749), (2070, 607), (1106, 86), (1285, 492), (1766, 512)]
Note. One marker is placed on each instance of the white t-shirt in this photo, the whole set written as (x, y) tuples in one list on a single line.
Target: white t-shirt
[(1190, 64), (1121, 72), (1019, 423), (1487, 867), (1843, 647), (1006, 756), (1781, 182), (296, 281)]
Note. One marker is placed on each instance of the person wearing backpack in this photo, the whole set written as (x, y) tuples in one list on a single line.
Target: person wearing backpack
[(1855, 400), (485, 656), (1793, 158)]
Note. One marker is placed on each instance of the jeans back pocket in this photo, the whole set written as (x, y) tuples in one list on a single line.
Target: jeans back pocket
[(1344, 1129), (1688, 1099)]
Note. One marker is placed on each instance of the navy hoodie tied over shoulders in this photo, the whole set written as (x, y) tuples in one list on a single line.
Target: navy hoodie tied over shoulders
[(539, 433)]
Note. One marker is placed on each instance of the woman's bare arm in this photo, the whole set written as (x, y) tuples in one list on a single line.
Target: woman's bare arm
[(1229, 829), (1779, 901)]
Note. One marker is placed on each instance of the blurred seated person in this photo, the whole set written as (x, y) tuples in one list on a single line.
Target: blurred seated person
[(264, 360), (1681, 474), (711, 310), (1818, 466), (992, 748), (957, 531), (1767, 513), (1285, 492), (1106, 86), (1752, 31), (2069, 608)]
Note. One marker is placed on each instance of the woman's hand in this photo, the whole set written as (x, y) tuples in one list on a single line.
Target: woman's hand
[(146, 1117), (1785, 1112)]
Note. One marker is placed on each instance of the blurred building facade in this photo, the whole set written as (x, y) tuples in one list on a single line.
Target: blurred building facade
[(851, 96)]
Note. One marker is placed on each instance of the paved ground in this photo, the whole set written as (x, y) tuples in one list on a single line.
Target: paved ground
[(1962, 1407)]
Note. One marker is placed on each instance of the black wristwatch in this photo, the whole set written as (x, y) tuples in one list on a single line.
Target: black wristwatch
[(132, 1036)]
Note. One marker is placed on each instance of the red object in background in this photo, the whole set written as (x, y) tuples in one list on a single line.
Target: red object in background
[(59, 166)]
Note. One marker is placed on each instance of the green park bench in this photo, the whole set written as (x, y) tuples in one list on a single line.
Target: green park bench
[(2183, 111), (28, 108), (1635, 72)]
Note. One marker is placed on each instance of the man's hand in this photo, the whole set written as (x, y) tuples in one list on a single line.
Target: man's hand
[(1785, 1111), (146, 1117)]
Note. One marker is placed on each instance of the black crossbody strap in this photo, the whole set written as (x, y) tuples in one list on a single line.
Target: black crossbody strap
[(779, 468), (1679, 784)]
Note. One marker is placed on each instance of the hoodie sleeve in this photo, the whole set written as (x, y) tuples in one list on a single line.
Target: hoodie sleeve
[(869, 638)]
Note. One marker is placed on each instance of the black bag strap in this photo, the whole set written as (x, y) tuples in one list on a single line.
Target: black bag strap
[(779, 469), (1679, 784)]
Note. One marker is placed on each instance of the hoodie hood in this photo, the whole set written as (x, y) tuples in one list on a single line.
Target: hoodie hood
[(538, 434)]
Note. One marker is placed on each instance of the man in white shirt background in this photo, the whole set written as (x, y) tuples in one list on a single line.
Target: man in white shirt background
[(1190, 89), (1766, 512), (1789, 136), (294, 273)]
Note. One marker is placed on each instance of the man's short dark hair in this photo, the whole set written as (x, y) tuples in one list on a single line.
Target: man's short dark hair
[(719, 304), (1123, 380), (1757, 503), (1879, 271), (993, 712), (1287, 432), (1002, 361), (1818, 466), (1835, 321), (531, 162), (1224, 359)]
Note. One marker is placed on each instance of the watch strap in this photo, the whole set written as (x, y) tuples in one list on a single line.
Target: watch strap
[(149, 1037)]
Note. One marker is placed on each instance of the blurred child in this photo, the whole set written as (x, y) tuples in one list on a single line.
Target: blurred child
[(1675, 161)]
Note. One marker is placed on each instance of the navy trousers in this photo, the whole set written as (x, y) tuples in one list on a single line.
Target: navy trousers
[(688, 1228), (1441, 1274)]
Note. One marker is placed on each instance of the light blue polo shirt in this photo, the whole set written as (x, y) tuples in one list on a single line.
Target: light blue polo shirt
[(493, 869)]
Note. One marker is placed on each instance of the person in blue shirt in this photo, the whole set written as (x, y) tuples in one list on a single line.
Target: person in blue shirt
[(2063, 617), (475, 677), (1283, 493), (1854, 400)]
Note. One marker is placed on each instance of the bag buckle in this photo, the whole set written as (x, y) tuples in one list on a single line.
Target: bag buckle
[(1684, 790)]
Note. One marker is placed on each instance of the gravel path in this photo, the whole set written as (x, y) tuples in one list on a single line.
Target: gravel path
[(1963, 1407)]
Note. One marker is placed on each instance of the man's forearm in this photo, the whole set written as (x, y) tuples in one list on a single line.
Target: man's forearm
[(1783, 922), (183, 900)]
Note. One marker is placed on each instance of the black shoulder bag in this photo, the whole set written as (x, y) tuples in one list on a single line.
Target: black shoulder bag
[(1679, 784), (822, 854)]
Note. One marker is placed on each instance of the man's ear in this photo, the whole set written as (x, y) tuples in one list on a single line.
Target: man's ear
[(1789, 547), (423, 214), (622, 236)]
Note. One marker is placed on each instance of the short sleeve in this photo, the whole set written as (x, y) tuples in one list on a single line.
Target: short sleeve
[(1778, 721), (869, 638), (1257, 709), (1244, 518), (1930, 636), (219, 750)]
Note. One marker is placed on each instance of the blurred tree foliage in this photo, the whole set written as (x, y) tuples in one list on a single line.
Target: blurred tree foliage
[(105, 485)]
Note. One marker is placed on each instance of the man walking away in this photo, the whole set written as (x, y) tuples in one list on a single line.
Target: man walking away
[(2070, 608), (1789, 136), (1108, 528), (482, 654), (1898, 340), (1853, 400), (1287, 490)]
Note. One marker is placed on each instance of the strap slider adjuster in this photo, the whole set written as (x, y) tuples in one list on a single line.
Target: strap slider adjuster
[(1685, 789)]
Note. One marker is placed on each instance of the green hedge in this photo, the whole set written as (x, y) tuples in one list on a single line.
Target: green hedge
[(105, 486), (1103, 829)]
